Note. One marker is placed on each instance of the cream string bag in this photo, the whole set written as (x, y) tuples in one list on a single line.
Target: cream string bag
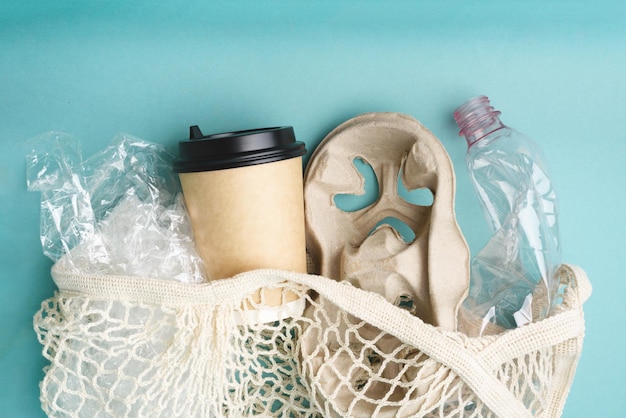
[(143, 347)]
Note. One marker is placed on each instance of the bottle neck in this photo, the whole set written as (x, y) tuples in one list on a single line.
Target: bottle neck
[(476, 119)]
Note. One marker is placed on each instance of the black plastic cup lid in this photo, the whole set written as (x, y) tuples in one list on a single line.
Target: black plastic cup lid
[(236, 149)]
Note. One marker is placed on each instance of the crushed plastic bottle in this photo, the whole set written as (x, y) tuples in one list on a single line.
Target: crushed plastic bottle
[(513, 278)]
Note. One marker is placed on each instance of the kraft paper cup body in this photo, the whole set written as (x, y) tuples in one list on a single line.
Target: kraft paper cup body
[(244, 215), (248, 218)]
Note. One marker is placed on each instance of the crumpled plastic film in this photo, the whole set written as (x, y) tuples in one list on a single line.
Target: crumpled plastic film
[(54, 168), (123, 206)]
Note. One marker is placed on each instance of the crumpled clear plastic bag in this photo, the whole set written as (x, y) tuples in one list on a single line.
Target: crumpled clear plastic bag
[(120, 212)]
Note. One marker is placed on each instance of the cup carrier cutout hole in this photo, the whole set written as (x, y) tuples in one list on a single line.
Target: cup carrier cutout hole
[(348, 202)]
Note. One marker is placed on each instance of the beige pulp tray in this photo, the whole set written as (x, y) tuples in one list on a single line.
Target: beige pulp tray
[(431, 272)]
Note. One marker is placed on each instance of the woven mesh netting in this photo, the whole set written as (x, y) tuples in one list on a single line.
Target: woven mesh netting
[(113, 357), (356, 370)]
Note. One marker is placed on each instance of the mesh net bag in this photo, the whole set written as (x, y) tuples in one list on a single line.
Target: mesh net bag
[(129, 346), (356, 347)]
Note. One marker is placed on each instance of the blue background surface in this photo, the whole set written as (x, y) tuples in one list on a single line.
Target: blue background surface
[(557, 70)]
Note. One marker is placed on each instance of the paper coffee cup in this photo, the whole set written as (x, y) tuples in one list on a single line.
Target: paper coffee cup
[(243, 192)]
